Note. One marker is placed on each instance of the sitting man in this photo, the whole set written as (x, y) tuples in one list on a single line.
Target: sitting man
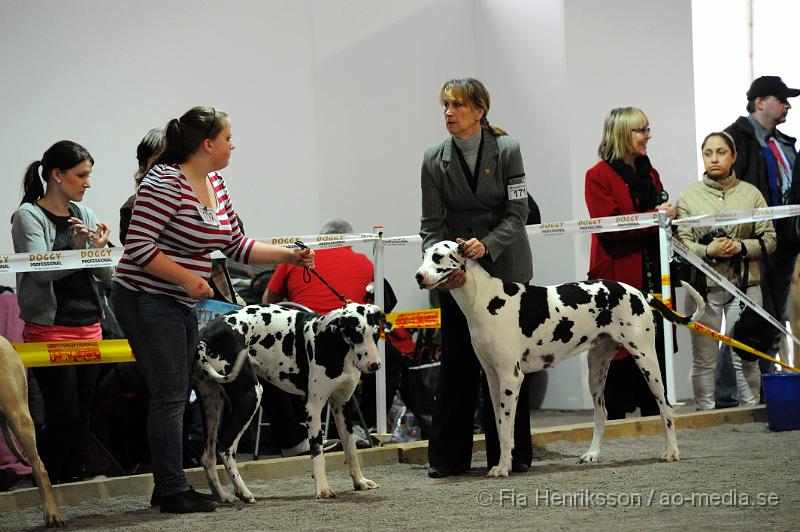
[(349, 273)]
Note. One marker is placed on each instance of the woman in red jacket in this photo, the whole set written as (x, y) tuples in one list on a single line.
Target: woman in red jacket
[(624, 182)]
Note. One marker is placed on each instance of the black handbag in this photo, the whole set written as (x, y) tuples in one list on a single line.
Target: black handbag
[(754, 331), (751, 329)]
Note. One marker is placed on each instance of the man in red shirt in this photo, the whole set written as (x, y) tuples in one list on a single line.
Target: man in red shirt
[(346, 271)]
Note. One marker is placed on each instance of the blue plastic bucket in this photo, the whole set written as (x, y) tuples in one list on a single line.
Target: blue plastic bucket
[(782, 395)]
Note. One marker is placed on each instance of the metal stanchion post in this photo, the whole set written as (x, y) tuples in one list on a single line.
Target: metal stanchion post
[(664, 236), (380, 376)]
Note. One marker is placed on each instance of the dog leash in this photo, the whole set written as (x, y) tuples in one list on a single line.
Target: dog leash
[(307, 276)]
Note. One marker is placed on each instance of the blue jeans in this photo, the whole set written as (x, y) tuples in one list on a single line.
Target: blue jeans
[(163, 335)]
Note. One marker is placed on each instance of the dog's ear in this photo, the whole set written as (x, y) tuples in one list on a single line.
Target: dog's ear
[(460, 248)]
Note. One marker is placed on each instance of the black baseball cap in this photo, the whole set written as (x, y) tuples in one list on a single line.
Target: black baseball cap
[(770, 86)]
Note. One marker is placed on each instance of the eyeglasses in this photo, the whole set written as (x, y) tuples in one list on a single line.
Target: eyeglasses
[(642, 130), (211, 125)]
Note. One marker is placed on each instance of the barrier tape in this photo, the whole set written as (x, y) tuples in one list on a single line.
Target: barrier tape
[(739, 217), (60, 260), (701, 265), (107, 257), (416, 319), (716, 335), (47, 354)]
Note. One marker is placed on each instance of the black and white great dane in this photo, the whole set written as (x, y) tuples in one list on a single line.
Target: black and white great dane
[(305, 354), (517, 329)]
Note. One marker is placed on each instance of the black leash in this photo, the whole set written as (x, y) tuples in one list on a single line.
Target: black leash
[(307, 276)]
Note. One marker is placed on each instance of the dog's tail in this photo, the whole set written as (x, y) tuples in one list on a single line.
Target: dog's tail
[(11, 441), (673, 316), (208, 369)]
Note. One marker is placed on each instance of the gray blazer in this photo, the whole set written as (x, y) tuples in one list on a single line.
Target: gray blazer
[(32, 230), (451, 210)]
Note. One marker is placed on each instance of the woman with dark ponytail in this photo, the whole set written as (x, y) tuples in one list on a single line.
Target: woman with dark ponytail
[(182, 213), (473, 191), (147, 152), (61, 305)]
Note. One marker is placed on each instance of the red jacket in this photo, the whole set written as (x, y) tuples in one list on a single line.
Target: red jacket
[(617, 255)]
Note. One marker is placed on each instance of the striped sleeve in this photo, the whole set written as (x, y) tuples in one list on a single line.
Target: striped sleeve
[(240, 246), (156, 205)]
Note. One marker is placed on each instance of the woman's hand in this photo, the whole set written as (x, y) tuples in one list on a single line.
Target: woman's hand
[(78, 232), (473, 248), (301, 257), (197, 287), (100, 235), (456, 280), (667, 206), (723, 247)]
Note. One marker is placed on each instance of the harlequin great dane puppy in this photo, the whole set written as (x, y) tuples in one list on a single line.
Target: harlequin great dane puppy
[(518, 329), (306, 354), (16, 418)]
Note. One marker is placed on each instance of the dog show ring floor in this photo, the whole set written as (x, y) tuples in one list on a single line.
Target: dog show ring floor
[(734, 473)]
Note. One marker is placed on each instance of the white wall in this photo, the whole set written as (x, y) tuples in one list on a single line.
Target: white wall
[(333, 103)]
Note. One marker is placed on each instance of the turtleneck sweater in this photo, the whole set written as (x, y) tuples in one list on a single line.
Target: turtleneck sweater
[(469, 149)]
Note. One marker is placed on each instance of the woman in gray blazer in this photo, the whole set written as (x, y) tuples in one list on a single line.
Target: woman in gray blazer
[(473, 189)]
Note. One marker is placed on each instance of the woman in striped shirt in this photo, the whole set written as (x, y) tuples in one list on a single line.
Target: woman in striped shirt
[(182, 213)]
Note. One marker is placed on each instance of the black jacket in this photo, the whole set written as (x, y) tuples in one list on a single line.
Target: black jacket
[(750, 165)]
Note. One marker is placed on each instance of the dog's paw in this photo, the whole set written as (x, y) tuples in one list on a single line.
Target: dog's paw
[(225, 497), (365, 484), (498, 471), (246, 497), (54, 520), (326, 493), (588, 458), (671, 456)]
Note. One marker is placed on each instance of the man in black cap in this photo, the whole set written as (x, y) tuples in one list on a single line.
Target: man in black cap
[(766, 159)]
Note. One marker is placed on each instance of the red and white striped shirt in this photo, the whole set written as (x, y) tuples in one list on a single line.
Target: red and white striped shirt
[(167, 219)]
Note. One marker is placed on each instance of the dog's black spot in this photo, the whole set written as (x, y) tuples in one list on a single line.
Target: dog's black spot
[(601, 302), (502, 405), (495, 304), (510, 289), (437, 257), (266, 317), (245, 328), (525, 355), (278, 335), (646, 374), (583, 339), (633, 345), (516, 371), (533, 309), (637, 308), (563, 331), (251, 310), (669, 423), (540, 342), (508, 392), (615, 293), (548, 360), (573, 294), (268, 341)]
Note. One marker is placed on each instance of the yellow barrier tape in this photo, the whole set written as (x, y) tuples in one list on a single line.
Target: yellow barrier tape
[(44, 354), (416, 319), (702, 329)]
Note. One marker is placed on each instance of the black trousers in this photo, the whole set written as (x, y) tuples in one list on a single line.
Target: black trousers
[(456, 397), (626, 388), (286, 415), (68, 393)]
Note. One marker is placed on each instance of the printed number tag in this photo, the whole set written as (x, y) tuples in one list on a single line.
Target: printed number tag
[(517, 191), (208, 216)]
